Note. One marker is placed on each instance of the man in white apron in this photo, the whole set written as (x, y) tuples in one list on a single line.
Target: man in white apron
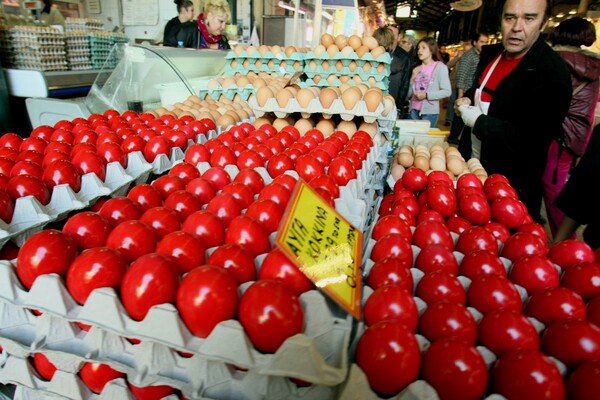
[(521, 94)]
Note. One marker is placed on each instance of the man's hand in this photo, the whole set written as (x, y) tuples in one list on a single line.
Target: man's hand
[(469, 114), (459, 102)]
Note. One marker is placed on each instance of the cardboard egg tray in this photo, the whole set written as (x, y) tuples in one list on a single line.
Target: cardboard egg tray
[(318, 355), (382, 84), (225, 383), (349, 57), (243, 91), (315, 107), (280, 63), (345, 70), (30, 216)]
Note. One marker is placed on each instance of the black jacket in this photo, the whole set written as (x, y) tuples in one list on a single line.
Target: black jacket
[(525, 114), (190, 37), (576, 199)]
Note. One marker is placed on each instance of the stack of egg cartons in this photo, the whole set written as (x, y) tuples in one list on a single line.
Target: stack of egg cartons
[(5, 46), (79, 53), (38, 47), (101, 44)]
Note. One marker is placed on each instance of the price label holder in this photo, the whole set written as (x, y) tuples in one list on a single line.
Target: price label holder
[(325, 246)]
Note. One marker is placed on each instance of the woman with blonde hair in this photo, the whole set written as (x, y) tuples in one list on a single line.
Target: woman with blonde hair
[(207, 31)]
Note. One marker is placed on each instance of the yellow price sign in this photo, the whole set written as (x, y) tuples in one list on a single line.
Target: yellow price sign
[(325, 246)]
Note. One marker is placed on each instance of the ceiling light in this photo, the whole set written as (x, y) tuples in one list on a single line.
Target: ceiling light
[(572, 12), (560, 15)]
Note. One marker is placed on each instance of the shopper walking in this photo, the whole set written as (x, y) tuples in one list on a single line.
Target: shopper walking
[(531, 90), (429, 82), (584, 66)]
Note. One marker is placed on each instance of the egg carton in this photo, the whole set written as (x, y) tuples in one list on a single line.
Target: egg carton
[(145, 364), (241, 64), (346, 70), (315, 107), (348, 57), (222, 384), (317, 355), (243, 92), (30, 216), (322, 82), (296, 56), (63, 385)]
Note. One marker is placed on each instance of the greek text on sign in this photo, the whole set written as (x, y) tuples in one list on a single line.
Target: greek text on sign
[(324, 245)]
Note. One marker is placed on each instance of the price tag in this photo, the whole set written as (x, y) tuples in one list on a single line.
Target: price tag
[(325, 246)]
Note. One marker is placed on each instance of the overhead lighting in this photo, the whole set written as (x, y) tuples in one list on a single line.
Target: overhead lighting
[(560, 15), (288, 7), (572, 12)]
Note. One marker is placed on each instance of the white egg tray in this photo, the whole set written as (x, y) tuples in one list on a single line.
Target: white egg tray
[(30, 216), (349, 57), (345, 70), (163, 163), (318, 355), (315, 107), (222, 383)]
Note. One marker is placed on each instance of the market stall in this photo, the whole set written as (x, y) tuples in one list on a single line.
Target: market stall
[(250, 232)]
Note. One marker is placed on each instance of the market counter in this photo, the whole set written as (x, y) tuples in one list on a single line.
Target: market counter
[(60, 84)]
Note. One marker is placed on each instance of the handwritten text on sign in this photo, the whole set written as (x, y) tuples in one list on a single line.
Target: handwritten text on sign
[(325, 246)]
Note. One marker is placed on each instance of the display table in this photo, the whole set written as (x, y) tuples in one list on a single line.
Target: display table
[(64, 84)]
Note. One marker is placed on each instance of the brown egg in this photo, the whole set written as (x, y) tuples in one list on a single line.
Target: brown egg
[(327, 97), (455, 165), (369, 127), (243, 81), (304, 97), (205, 114), (372, 81), (261, 121), (341, 41), (263, 95), (381, 68), (250, 50), (262, 50), (275, 50), (290, 50), (238, 49), (332, 50), (271, 64), (325, 65), (234, 63), (370, 42), (397, 171), (160, 111), (228, 82), (348, 127), (319, 50), (327, 40), (373, 98), (389, 104), (350, 97), (347, 51), (437, 163), (243, 114), (361, 51), (376, 52), (316, 79), (421, 162), (339, 66), (331, 79), (405, 159), (258, 63), (283, 97), (304, 125), (246, 63), (326, 126), (279, 123), (354, 41)]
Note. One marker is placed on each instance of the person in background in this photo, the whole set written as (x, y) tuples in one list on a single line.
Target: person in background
[(531, 90), (444, 55), (467, 66), (207, 31), (584, 66), (579, 205), (387, 39), (185, 11), (51, 15), (395, 73), (429, 82), (453, 68), (405, 54)]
